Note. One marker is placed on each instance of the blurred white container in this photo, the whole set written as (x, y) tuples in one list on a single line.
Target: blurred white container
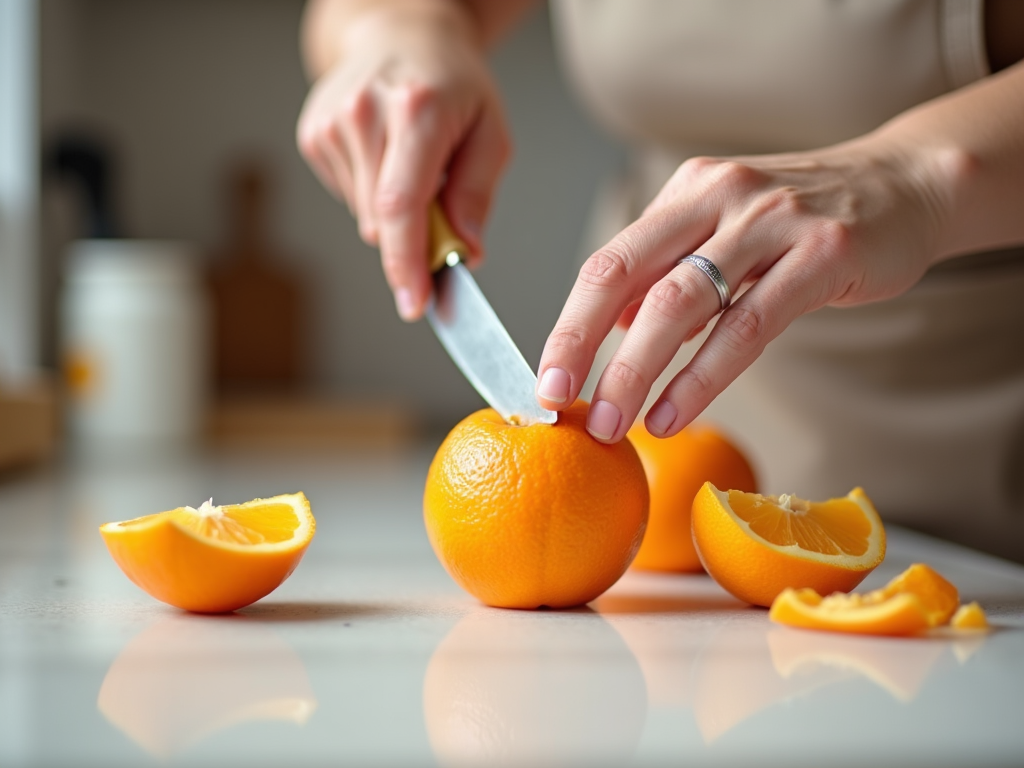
[(135, 343)]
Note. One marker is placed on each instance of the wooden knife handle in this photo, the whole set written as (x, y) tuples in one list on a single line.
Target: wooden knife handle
[(443, 239)]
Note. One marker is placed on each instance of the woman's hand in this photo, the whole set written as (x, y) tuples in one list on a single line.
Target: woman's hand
[(841, 226), (406, 110)]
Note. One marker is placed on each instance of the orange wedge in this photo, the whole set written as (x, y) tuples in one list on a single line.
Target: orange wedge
[(756, 546), (916, 600), (214, 559)]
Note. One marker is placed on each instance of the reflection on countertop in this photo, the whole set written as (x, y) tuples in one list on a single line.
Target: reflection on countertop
[(370, 655), (186, 676)]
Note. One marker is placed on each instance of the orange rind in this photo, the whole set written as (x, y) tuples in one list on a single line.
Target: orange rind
[(916, 600), (756, 546), (676, 467)]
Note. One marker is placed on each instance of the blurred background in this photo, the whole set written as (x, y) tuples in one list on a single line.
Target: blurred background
[(174, 122)]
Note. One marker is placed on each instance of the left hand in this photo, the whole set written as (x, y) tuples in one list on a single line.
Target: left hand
[(845, 225)]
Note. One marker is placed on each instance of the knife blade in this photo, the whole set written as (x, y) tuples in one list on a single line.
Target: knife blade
[(475, 338)]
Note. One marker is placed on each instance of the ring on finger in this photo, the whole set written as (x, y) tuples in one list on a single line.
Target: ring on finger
[(707, 266)]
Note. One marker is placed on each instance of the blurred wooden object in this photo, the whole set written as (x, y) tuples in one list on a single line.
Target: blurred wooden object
[(28, 423), (258, 305), (308, 423)]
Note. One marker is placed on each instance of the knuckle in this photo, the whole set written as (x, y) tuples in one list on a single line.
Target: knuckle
[(743, 328), (697, 166), (671, 298), (415, 100), (306, 139), (734, 175), (607, 268), (702, 382), (625, 375), (571, 339), (357, 108), (394, 202)]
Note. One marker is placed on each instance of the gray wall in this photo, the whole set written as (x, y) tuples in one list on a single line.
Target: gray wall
[(187, 87)]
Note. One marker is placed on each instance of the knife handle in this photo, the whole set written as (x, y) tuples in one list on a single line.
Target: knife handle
[(443, 240)]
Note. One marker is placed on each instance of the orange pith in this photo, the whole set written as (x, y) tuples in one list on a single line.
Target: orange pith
[(213, 559), (756, 546), (916, 600), (676, 468), (538, 515)]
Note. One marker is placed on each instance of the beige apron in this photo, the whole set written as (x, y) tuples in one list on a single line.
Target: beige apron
[(919, 399)]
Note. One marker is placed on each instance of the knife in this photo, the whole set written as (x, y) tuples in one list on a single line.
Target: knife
[(474, 336)]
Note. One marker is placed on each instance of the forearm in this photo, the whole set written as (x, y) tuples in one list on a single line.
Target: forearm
[(970, 150), (327, 24)]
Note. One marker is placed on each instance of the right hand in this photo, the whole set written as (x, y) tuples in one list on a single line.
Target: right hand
[(408, 111)]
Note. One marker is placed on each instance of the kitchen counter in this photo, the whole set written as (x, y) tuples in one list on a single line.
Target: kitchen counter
[(370, 655)]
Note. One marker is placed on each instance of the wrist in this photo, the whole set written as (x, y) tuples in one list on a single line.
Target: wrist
[(405, 22), (938, 174)]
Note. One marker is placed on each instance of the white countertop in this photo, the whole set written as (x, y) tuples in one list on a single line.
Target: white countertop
[(370, 655)]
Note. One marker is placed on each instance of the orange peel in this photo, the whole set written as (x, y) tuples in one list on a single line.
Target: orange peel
[(916, 600)]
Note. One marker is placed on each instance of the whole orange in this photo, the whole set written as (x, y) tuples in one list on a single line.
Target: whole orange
[(538, 515), (676, 468)]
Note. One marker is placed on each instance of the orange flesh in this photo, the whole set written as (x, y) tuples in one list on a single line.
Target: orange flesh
[(265, 524), (831, 527), (970, 616)]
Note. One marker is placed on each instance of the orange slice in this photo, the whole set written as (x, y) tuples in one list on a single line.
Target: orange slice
[(916, 600), (970, 616), (755, 546), (214, 559)]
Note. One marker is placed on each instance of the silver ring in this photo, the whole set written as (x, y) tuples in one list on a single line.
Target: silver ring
[(707, 266)]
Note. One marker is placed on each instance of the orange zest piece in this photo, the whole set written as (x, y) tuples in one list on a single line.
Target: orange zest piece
[(756, 546), (916, 600), (214, 559), (969, 617)]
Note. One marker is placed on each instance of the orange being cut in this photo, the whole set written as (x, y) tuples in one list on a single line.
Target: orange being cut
[(916, 600), (537, 515), (756, 546), (676, 468), (214, 559)]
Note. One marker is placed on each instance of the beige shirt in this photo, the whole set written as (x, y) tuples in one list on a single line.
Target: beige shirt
[(919, 399)]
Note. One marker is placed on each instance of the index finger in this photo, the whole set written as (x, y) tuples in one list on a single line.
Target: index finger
[(610, 280)]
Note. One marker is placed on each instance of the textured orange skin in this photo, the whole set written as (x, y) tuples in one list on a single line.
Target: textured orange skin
[(753, 572), (676, 468), (542, 515), (176, 567)]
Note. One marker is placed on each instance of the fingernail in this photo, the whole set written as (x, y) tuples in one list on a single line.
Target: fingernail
[(661, 417), (406, 304), (554, 385), (603, 420)]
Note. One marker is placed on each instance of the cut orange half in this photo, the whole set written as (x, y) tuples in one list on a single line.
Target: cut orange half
[(756, 546), (916, 600), (214, 559)]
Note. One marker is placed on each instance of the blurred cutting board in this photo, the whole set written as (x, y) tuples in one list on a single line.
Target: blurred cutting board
[(258, 303), (28, 423)]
